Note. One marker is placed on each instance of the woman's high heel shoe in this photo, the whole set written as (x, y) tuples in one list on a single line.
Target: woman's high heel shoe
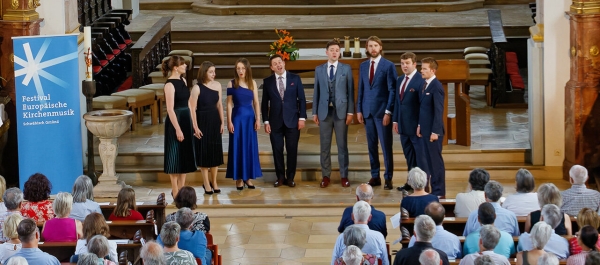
[(207, 192), (215, 190), (249, 186), (239, 188)]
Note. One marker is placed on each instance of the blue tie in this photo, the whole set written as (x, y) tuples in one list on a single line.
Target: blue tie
[(331, 72)]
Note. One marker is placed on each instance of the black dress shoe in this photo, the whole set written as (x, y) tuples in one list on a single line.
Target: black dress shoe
[(406, 187), (215, 190), (207, 192), (279, 182), (249, 186), (291, 184), (238, 187), (374, 182), (388, 184)]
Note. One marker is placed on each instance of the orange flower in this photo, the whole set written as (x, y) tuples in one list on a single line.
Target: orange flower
[(286, 56), (287, 39), (285, 32), (280, 42), (276, 32)]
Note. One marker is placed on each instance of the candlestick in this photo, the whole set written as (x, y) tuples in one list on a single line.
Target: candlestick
[(87, 51), (347, 52), (357, 48)]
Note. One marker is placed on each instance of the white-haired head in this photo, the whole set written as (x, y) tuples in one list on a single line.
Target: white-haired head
[(578, 174)]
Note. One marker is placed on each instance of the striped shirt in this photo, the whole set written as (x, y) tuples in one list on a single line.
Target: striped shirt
[(578, 259)]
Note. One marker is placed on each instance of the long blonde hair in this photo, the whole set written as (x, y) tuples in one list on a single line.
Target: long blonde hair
[(247, 76)]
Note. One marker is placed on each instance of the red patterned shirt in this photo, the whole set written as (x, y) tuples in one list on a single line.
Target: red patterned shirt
[(38, 211)]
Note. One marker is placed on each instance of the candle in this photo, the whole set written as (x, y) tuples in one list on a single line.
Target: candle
[(346, 43), (87, 51), (357, 45)]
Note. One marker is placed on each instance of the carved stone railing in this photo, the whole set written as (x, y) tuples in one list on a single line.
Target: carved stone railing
[(149, 50)]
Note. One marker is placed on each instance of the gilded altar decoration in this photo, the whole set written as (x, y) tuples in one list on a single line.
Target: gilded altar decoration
[(88, 63), (285, 46), (14, 4), (37, 3), (30, 4)]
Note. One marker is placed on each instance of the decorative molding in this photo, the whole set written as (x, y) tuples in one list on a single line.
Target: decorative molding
[(573, 51), (594, 51), (537, 32), (585, 7), (14, 4)]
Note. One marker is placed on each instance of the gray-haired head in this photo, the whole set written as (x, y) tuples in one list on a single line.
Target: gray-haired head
[(87, 259), (478, 178), (364, 192), (548, 193), (417, 178), (578, 174), (184, 217), (16, 260), (552, 215), (62, 204), (83, 189), (12, 198), (355, 236), (169, 234), (484, 260), (493, 190), (548, 259), (424, 228), (525, 181), (490, 236), (540, 234), (152, 254), (352, 255), (429, 257), (98, 245), (361, 212)]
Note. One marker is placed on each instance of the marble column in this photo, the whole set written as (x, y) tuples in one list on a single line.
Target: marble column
[(582, 106)]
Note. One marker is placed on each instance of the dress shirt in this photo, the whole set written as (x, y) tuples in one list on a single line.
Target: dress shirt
[(335, 67), (35, 256), (498, 259), (522, 203), (444, 241), (577, 259), (505, 246), (81, 209), (2, 208), (557, 245), (410, 256), (505, 221), (410, 77), (468, 202), (578, 197), (375, 245), (429, 80), (377, 223)]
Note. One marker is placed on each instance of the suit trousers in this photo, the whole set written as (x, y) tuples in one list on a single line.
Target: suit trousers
[(412, 148), (375, 130), (437, 170), (326, 127), (288, 137)]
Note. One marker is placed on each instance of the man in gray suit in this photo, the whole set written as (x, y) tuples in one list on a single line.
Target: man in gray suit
[(333, 109)]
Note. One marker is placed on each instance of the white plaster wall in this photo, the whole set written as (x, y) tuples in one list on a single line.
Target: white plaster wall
[(53, 13), (556, 74)]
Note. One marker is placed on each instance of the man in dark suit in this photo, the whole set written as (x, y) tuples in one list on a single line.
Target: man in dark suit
[(364, 192), (406, 113), (283, 110), (376, 87), (431, 126), (424, 232), (333, 109)]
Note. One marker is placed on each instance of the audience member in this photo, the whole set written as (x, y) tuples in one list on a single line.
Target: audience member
[(13, 245), (548, 193), (487, 216), (62, 228), (557, 245), (98, 245), (540, 235), (430, 257), (424, 230), (375, 243), (578, 196), (29, 235), (169, 235), (2, 190), (192, 241), (83, 199), (36, 192), (443, 240), (87, 259), (416, 202), (505, 220), (490, 236), (186, 197), (524, 200), (469, 201), (585, 217), (356, 236), (587, 239), (548, 259), (484, 260), (17, 261), (94, 224), (126, 209), (152, 254), (13, 200), (593, 258), (364, 192), (353, 256)]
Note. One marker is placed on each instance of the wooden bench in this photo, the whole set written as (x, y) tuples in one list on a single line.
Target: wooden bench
[(127, 229), (159, 96), (158, 209), (64, 250), (137, 99)]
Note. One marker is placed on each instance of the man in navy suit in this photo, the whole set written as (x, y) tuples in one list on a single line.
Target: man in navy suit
[(376, 87), (333, 109), (431, 125), (283, 109), (406, 113)]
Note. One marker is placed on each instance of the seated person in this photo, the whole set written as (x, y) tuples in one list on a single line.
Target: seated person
[(487, 216), (83, 199), (13, 199), (13, 245), (98, 245), (2, 190), (169, 235), (557, 245), (540, 234), (443, 240), (192, 241), (424, 232), (549, 259), (415, 203), (126, 209), (430, 257), (525, 200), (585, 217), (548, 193), (470, 201), (62, 228), (152, 253), (94, 224), (356, 237), (587, 240), (186, 197), (36, 192), (364, 192), (29, 235), (490, 236), (87, 259), (353, 256), (505, 220), (578, 196)]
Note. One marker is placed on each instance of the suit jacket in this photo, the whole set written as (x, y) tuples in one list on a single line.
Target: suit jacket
[(374, 99), (432, 109), (410, 256), (287, 111), (377, 223), (406, 111), (344, 91)]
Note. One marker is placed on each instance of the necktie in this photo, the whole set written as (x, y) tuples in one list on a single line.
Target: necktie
[(331, 72), (403, 87), (372, 72), (424, 87), (281, 91)]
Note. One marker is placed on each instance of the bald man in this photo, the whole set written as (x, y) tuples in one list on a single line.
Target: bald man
[(364, 192)]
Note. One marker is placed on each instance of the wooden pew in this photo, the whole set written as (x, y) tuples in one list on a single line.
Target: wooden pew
[(127, 229), (159, 212), (64, 250)]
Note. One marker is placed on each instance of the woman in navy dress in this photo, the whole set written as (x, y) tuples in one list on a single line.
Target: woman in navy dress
[(208, 121), (243, 112), (179, 147)]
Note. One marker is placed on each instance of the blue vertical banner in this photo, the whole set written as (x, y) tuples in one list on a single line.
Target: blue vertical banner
[(48, 116)]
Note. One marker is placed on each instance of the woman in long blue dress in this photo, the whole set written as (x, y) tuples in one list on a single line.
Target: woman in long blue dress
[(243, 112)]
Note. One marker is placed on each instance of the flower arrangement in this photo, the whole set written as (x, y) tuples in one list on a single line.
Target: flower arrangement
[(285, 46)]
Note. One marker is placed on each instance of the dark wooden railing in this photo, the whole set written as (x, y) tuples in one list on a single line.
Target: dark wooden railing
[(149, 50)]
